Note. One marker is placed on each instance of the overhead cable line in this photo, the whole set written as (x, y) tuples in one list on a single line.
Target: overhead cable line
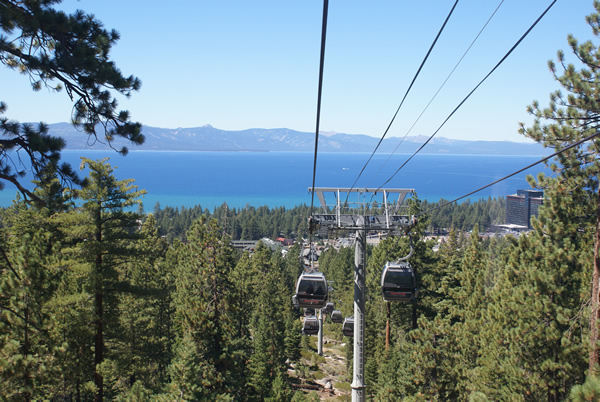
[(438, 91), (321, 65), (512, 174), (407, 91), (470, 93)]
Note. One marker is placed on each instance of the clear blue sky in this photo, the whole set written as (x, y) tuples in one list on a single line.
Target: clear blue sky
[(254, 64)]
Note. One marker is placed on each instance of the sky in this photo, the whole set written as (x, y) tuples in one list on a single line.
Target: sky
[(238, 64)]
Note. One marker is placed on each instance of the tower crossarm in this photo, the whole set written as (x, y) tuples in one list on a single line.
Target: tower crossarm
[(378, 209)]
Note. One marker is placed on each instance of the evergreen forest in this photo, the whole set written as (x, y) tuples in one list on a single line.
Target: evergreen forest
[(251, 223), (98, 304), (100, 300)]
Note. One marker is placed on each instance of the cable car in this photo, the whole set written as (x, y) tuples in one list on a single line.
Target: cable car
[(398, 282), (328, 308), (348, 326), (336, 317), (309, 312), (311, 290), (311, 325)]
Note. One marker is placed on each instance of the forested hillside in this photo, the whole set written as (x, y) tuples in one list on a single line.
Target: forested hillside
[(96, 301)]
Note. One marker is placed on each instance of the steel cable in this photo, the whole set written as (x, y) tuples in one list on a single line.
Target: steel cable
[(471, 93), (512, 174), (438, 91), (320, 90), (406, 94)]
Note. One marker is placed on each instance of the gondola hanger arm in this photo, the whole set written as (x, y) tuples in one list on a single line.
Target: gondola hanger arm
[(411, 250)]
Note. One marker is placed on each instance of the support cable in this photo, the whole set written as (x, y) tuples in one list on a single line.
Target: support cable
[(321, 65), (438, 91), (512, 174), (471, 93), (406, 94)]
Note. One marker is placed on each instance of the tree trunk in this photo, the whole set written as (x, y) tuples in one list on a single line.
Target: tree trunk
[(99, 348), (219, 363), (99, 338), (27, 394), (593, 361), (414, 315), (387, 327)]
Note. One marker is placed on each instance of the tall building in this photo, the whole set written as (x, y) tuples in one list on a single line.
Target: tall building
[(522, 206)]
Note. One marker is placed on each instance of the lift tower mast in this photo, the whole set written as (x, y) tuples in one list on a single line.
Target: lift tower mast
[(378, 213)]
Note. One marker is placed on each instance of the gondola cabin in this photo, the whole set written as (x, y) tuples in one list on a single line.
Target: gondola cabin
[(311, 325), (311, 290), (328, 308), (398, 282), (348, 326), (309, 312), (336, 317)]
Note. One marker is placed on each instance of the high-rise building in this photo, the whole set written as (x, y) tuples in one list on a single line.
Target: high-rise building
[(522, 206)]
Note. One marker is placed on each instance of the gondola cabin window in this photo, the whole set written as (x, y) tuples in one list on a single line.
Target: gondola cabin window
[(311, 287)]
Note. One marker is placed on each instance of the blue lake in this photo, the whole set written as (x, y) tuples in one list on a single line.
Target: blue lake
[(282, 178)]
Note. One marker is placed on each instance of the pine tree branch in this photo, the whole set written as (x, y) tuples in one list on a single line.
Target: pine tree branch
[(28, 322), (22, 189), (7, 260)]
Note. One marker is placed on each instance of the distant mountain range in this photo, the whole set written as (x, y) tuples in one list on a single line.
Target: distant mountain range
[(208, 138)]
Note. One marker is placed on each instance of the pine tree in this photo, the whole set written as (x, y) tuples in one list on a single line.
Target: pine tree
[(268, 325), (145, 315), (588, 391), (567, 120), (28, 265), (207, 364), (536, 329), (101, 236), (432, 358), (469, 301), (31, 271), (60, 51)]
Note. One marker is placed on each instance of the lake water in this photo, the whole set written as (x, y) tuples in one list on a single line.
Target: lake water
[(283, 178)]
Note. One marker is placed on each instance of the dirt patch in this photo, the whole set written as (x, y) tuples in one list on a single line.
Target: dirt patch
[(326, 374)]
